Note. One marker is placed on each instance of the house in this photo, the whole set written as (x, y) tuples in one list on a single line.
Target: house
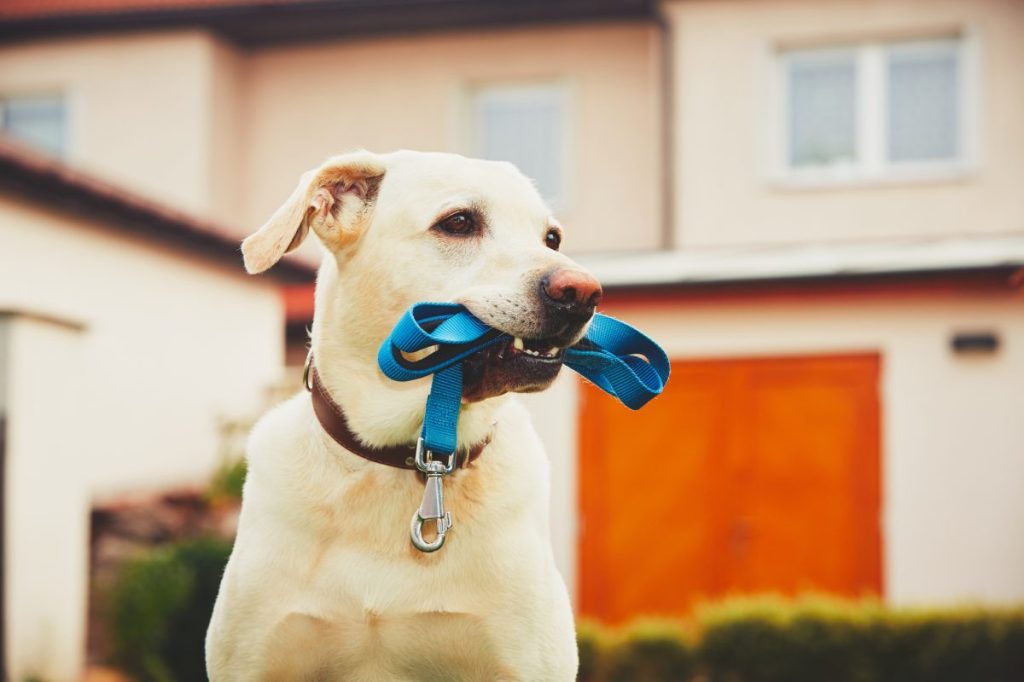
[(126, 331), (842, 300), (815, 207)]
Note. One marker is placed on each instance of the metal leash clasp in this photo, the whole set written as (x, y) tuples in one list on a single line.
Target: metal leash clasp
[(432, 506)]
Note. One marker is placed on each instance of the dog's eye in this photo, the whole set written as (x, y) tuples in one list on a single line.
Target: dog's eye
[(553, 239), (460, 224)]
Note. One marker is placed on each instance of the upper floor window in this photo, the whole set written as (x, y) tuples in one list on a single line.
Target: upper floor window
[(527, 126), (38, 121), (874, 110)]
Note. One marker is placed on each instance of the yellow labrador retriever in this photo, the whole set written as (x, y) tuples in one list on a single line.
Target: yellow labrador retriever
[(323, 582)]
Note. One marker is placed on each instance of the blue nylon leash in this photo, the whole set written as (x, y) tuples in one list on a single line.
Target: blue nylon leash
[(617, 358)]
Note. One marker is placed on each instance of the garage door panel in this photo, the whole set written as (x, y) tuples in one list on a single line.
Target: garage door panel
[(745, 475), (638, 479)]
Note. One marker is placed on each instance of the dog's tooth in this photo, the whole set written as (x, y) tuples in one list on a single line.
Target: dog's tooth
[(553, 351), (518, 343)]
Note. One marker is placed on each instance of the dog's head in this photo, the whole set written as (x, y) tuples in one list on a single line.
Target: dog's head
[(411, 226)]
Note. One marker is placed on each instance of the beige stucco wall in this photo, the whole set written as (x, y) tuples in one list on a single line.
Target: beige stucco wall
[(305, 103), (187, 119), (226, 141), (46, 504), (146, 111), (724, 108), (165, 344), (952, 436)]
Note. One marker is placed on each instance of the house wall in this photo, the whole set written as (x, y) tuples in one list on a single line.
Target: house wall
[(122, 396), (146, 111), (46, 504), (189, 120), (952, 440), (305, 103), (725, 122)]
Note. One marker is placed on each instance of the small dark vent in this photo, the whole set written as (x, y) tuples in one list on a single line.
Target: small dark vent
[(975, 342)]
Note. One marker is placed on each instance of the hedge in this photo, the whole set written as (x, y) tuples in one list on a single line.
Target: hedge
[(160, 607), (811, 639)]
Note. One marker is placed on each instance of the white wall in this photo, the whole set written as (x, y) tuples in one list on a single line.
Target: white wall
[(952, 426), (170, 341), (188, 119), (129, 402), (139, 109), (47, 505), (726, 125), (305, 102), (555, 419)]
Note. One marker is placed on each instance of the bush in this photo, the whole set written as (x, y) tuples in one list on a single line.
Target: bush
[(160, 608), (592, 641), (771, 640), (650, 651), (646, 651), (227, 482), (774, 640)]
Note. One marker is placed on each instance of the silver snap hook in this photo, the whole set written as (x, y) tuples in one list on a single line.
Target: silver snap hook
[(432, 506)]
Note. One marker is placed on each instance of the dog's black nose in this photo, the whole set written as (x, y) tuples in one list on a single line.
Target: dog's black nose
[(573, 292)]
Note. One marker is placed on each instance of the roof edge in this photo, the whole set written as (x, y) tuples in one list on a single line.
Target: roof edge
[(808, 263), (53, 185), (270, 22)]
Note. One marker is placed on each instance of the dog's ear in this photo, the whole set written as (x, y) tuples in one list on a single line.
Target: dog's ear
[(334, 199)]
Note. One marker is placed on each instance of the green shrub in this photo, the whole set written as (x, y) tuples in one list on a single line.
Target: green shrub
[(770, 639), (592, 642), (227, 481), (160, 607), (968, 644), (650, 651)]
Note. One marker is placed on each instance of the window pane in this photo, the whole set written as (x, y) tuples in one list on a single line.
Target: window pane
[(924, 119), (525, 126), (36, 121), (822, 109)]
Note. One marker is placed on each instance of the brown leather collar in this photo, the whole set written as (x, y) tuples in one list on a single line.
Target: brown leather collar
[(332, 419)]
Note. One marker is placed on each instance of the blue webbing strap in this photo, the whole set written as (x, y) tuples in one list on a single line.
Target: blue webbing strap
[(617, 358)]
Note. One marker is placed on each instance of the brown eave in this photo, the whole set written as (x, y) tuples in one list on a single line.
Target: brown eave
[(54, 186), (254, 23)]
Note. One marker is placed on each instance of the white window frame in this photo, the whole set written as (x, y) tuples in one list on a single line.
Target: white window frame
[(472, 141), (871, 126)]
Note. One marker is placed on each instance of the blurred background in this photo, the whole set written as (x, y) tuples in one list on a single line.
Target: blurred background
[(817, 207)]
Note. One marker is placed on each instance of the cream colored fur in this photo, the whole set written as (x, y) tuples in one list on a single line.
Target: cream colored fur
[(323, 583)]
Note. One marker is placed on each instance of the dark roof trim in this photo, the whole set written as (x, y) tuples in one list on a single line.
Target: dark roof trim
[(1009, 279), (29, 176), (273, 22)]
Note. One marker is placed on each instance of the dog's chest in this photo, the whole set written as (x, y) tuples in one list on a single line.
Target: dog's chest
[(420, 646), (366, 605)]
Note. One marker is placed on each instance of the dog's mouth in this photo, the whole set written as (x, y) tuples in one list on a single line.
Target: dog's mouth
[(518, 365)]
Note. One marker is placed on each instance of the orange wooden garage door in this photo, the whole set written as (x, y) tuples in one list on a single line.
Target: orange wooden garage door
[(745, 476)]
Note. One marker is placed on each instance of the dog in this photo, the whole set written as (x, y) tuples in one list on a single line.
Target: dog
[(323, 582)]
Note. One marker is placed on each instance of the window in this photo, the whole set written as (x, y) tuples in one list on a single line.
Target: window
[(37, 121), (874, 110), (822, 112), (923, 101), (527, 126)]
